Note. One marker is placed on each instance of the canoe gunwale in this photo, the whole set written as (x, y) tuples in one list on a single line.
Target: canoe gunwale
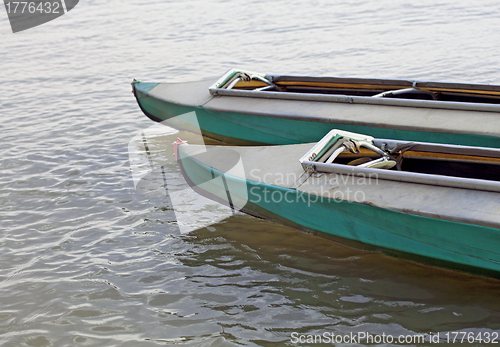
[(401, 176), (449, 105)]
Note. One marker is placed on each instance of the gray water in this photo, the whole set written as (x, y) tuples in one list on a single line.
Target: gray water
[(86, 260)]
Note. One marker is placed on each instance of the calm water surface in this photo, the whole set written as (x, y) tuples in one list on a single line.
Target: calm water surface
[(86, 260)]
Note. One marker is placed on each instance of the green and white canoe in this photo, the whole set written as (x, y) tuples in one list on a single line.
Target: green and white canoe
[(246, 108), (425, 201)]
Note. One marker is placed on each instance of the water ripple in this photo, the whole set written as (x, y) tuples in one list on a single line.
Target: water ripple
[(87, 260)]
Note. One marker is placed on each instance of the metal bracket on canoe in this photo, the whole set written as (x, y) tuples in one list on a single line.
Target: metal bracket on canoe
[(337, 142), (232, 77), (405, 91)]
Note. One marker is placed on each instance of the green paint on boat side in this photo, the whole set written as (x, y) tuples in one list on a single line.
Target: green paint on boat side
[(241, 128), (463, 245), (143, 88)]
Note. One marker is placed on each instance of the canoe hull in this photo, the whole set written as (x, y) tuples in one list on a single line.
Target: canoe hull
[(462, 246), (256, 120)]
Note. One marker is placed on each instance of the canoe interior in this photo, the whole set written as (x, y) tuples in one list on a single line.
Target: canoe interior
[(397, 89)]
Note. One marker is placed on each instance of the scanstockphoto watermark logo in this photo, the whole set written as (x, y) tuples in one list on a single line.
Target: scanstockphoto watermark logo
[(29, 14), (221, 174), (316, 188), (483, 337)]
